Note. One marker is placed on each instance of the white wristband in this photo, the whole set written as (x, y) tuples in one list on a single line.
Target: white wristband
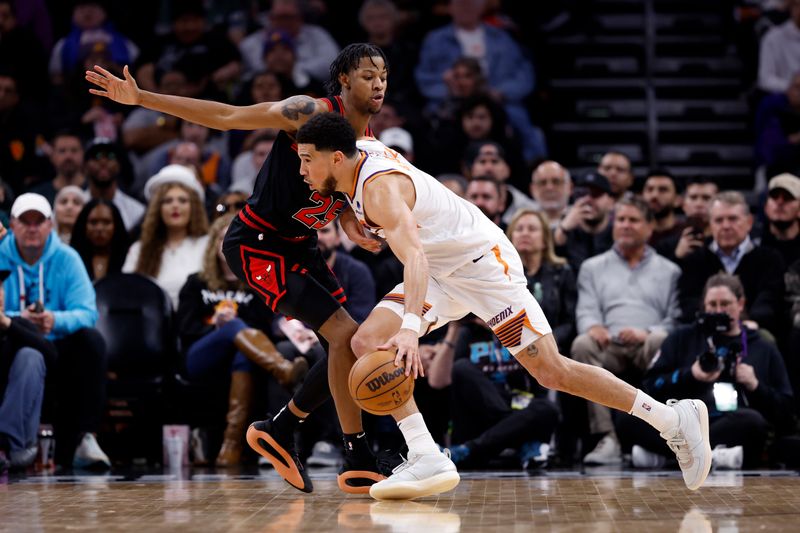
[(412, 322)]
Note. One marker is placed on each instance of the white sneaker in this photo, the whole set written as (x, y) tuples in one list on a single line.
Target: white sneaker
[(418, 476), (607, 452), (325, 454), (689, 440), (641, 458), (412, 516), (726, 458), (88, 454)]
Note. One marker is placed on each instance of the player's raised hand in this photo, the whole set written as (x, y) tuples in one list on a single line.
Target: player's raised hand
[(123, 91)]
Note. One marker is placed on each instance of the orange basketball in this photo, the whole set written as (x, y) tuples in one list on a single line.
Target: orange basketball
[(378, 386)]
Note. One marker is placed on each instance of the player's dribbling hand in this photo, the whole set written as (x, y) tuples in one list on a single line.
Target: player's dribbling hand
[(123, 91), (407, 345)]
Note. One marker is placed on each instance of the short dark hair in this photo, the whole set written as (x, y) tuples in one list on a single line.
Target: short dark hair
[(662, 173), (64, 132), (701, 179), (348, 60), (330, 132), (489, 179), (637, 203)]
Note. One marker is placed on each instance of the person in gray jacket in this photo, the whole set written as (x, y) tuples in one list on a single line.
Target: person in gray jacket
[(627, 304)]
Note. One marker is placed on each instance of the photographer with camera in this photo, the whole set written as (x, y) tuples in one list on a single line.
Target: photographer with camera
[(741, 378)]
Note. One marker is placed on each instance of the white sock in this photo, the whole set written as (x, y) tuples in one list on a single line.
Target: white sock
[(417, 436), (655, 413)]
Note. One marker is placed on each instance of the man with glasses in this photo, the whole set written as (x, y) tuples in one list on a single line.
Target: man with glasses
[(103, 166), (616, 167), (551, 186), (585, 230)]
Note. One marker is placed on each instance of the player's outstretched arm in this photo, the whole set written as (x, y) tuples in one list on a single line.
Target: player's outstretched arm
[(288, 114)]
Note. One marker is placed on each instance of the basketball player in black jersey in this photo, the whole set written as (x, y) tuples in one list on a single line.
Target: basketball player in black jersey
[(272, 245)]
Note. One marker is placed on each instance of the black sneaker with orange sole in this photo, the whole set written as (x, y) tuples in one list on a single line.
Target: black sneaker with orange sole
[(280, 451)]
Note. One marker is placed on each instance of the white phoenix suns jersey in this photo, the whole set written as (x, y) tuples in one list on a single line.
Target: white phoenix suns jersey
[(452, 230)]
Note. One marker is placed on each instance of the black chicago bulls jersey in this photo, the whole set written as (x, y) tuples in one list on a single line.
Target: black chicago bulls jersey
[(282, 201)]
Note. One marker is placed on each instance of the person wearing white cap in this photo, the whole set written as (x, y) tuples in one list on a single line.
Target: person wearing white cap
[(400, 140), (174, 230), (49, 286), (782, 210)]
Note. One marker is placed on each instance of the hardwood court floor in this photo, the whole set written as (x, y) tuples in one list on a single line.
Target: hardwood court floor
[(552, 501)]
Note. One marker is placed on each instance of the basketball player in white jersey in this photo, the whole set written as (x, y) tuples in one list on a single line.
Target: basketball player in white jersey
[(456, 261)]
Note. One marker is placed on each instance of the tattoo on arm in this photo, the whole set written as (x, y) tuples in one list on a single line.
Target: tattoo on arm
[(532, 350), (296, 106)]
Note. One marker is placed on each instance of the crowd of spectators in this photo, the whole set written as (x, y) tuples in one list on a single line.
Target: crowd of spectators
[(629, 273)]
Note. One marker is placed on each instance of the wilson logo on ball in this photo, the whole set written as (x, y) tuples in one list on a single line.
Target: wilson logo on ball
[(384, 379)]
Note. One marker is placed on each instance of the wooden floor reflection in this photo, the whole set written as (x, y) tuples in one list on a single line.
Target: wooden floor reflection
[(601, 502)]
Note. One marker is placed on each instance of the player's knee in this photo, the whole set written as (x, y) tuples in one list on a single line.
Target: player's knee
[(362, 343)]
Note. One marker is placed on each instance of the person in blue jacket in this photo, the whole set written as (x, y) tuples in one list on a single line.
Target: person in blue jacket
[(49, 286)]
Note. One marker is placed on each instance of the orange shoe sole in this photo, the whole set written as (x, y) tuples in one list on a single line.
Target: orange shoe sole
[(342, 479), (283, 463)]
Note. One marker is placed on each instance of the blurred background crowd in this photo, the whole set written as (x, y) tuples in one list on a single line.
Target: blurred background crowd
[(642, 156)]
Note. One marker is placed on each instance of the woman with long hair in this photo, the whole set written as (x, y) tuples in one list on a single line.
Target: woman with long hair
[(100, 238), (222, 325), (550, 278), (174, 230)]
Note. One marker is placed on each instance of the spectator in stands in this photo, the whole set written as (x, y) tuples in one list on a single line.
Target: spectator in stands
[(103, 167), (550, 278), (756, 371), (145, 129), (355, 277), (399, 140), (25, 357), (67, 159), (487, 158), (661, 195), (206, 56), (777, 125), (760, 269), (229, 202), (223, 329), (586, 229), (190, 155), (90, 28), (782, 211), (792, 280), (455, 182), (466, 81), (247, 164), (54, 292), (100, 238), (264, 87), (316, 49), (509, 73), (697, 197), (380, 20), (21, 127), (551, 187), (68, 204), (616, 167), (496, 405), (30, 66), (627, 303), (214, 164), (779, 58), (484, 192), (390, 116), (280, 57), (174, 230)]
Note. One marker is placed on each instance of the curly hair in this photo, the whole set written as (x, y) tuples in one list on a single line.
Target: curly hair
[(154, 230), (212, 272), (348, 60)]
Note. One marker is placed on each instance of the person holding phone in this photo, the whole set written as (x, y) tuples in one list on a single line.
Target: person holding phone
[(585, 231), (754, 375)]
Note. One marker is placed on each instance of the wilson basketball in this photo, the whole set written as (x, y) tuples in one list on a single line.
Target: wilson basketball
[(378, 386)]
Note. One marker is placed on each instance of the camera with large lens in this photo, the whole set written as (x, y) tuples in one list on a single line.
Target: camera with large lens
[(722, 352)]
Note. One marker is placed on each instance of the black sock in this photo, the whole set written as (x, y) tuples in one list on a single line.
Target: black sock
[(285, 421), (356, 444)]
